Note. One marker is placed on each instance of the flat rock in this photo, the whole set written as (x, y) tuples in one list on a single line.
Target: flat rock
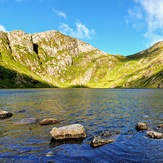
[(99, 141), (141, 126), (49, 121), (5, 114), (27, 121), (155, 135), (104, 138), (68, 132)]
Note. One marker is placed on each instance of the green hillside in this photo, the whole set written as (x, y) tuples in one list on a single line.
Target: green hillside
[(51, 59)]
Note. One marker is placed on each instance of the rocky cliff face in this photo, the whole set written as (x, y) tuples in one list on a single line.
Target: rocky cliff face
[(53, 59)]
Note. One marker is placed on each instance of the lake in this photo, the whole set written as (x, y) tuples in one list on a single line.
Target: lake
[(96, 109)]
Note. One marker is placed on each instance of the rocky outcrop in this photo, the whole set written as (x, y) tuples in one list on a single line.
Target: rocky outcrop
[(5, 114), (49, 121), (68, 132)]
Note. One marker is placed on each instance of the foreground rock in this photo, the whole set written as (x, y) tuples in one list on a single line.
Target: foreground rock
[(27, 121), (104, 138), (141, 126), (5, 114), (68, 132), (155, 135), (49, 121)]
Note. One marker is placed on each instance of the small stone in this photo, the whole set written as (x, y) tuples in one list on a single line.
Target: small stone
[(5, 114), (154, 135), (49, 121), (68, 132), (141, 126)]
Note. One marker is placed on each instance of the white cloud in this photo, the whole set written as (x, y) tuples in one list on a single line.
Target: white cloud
[(60, 13), (80, 32), (151, 12), (2, 28)]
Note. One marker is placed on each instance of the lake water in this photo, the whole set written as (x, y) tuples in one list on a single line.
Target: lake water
[(96, 109)]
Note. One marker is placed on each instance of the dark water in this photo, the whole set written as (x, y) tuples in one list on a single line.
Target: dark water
[(97, 109)]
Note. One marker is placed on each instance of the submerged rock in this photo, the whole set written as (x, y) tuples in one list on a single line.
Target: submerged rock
[(68, 132), (104, 138), (155, 135), (141, 126), (28, 121), (5, 114), (99, 141), (49, 121)]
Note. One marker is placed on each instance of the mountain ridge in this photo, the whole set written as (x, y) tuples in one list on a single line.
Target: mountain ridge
[(52, 59)]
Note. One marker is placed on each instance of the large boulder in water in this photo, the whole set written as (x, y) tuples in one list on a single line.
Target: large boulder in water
[(5, 114), (68, 132), (49, 121)]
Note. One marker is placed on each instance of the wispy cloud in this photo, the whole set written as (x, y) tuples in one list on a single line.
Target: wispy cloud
[(80, 32), (150, 13), (60, 13), (2, 28)]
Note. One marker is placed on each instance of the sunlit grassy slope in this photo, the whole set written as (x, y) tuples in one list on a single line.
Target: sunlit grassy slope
[(51, 59)]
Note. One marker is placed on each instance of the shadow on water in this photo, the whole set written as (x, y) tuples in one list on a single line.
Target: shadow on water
[(55, 143)]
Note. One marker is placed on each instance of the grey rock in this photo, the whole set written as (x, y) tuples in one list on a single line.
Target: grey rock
[(99, 141), (155, 135), (105, 137), (141, 126), (49, 121), (68, 132), (5, 114)]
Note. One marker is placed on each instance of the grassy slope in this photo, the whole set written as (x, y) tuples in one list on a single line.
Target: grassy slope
[(142, 70)]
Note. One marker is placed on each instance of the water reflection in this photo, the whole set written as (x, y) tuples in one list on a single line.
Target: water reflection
[(97, 109)]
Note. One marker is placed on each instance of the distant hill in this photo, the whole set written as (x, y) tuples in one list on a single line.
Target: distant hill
[(51, 59)]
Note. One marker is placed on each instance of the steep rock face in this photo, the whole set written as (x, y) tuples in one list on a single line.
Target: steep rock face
[(54, 59)]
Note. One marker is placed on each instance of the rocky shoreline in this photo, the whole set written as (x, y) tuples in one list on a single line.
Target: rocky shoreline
[(76, 132)]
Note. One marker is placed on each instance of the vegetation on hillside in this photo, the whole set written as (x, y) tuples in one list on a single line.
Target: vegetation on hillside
[(51, 59)]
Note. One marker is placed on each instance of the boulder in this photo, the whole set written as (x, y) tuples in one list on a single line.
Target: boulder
[(155, 135), (68, 132), (5, 114), (49, 121), (28, 121), (141, 126)]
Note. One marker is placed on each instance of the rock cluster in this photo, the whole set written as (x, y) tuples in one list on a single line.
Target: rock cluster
[(150, 133)]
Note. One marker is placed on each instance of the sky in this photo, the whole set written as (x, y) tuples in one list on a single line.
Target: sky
[(120, 27)]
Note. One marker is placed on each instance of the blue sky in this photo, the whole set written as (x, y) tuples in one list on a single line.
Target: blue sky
[(114, 26)]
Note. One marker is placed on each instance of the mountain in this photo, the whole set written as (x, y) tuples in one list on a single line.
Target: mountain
[(51, 59)]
